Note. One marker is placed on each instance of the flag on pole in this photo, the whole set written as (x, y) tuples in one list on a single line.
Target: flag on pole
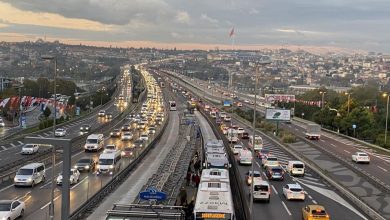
[(231, 32)]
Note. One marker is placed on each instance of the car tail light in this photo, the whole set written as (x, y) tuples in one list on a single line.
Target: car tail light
[(302, 192)]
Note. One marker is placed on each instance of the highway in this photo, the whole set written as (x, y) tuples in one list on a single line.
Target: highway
[(317, 190), (369, 182), (37, 198)]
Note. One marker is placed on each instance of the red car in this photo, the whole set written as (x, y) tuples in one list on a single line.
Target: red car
[(245, 135), (262, 153)]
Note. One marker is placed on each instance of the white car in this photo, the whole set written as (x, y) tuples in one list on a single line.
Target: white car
[(127, 136), (30, 149), (240, 130), (237, 148), (60, 132), (11, 209), (360, 157), (270, 161), (227, 118), (144, 137), (74, 177), (102, 113), (110, 148), (293, 191), (2, 124)]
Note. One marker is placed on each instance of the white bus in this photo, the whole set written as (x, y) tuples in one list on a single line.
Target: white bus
[(214, 201), (257, 143), (172, 105)]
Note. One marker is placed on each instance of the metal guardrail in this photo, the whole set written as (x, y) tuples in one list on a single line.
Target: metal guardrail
[(353, 198)]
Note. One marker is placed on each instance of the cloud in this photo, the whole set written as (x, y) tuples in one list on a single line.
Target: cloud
[(253, 11), (12, 15), (183, 17), (209, 19)]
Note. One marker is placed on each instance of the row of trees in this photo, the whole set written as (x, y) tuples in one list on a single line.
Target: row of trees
[(366, 110)]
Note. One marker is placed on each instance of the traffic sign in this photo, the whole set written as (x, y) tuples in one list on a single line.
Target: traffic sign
[(354, 126), (153, 194)]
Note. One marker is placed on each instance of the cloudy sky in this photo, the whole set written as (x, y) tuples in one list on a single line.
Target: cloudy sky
[(353, 24)]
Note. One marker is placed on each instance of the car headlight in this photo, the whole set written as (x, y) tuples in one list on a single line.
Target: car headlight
[(123, 153), (29, 179), (98, 166), (111, 166), (86, 167), (75, 166)]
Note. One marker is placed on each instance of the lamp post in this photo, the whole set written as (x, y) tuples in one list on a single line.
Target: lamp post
[(254, 132), (349, 98), (51, 209), (387, 114), (322, 102)]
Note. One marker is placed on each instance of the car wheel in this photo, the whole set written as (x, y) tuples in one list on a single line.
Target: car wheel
[(32, 184), (21, 213), (43, 179), (269, 199)]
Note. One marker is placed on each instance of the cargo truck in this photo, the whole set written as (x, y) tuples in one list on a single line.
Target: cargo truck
[(313, 131)]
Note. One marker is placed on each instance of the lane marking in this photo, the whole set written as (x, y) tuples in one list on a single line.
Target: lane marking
[(288, 211), (322, 140), (13, 145), (7, 187), (79, 182), (333, 145), (273, 188), (382, 168), (21, 143), (314, 201), (3, 148), (347, 151), (49, 202)]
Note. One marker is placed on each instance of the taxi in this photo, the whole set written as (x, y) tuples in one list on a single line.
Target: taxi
[(316, 212)]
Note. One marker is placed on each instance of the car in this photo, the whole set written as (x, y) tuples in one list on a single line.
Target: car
[(261, 190), (2, 124), (317, 212), (139, 143), (262, 154), (127, 152), (74, 177), (240, 130), (152, 130), (60, 132), (108, 116), (126, 127), (115, 133), (144, 137), (85, 128), (109, 148), (248, 175), (236, 148), (102, 113), (245, 135), (274, 173), (239, 104), (269, 161), (30, 149), (227, 118), (127, 136), (293, 191), (85, 164), (11, 209), (246, 101), (218, 121), (360, 157)]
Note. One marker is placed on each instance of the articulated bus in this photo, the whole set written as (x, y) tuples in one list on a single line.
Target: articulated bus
[(172, 105)]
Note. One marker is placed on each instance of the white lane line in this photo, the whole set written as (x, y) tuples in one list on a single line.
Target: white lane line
[(288, 211), (7, 187), (45, 185), (347, 151), (13, 145), (3, 148), (79, 183), (40, 136), (49, 202), (273, 188), (322, 140), (20, 142), (258, 164), (382, 168), (314, 201), (333, 145), (309, 196)]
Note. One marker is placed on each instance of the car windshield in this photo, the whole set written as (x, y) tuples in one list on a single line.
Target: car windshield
[(4, 207), (106, 161), (28, 146), (296, 189), (92, 141), (84, 161), (110, 147), (363, 155), (85, 126), (272, 159), (25, 172), (128, 149), (277, 170), (318, 212), (256, 174), (298, 165)]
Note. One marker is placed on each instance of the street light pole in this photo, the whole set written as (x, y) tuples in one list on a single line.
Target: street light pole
[(387, 116), (253, 147), (51, 207), (322, 102), (349, 98)]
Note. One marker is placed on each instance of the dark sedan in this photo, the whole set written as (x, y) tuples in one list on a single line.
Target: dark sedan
[(85, 128), (85, 164)]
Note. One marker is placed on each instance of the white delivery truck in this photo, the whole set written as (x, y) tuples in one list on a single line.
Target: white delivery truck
[(313, 131)]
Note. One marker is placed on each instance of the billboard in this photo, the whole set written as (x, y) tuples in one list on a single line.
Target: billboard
[(271, 98), (277, 114), (227, 103)]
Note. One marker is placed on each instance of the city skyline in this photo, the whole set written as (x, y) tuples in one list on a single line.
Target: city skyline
[(322, 25)]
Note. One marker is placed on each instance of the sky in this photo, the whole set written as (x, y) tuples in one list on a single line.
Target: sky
[(203, 24)]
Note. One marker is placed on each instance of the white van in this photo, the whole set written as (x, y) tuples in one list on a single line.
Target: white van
[(245, 157), (261, 190), (109, 162), (213, 114), (296, 168), (30, 175), (94, 142)]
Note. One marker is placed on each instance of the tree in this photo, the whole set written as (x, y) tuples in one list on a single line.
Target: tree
[(43, 84), (47, 112), (31, 88)]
